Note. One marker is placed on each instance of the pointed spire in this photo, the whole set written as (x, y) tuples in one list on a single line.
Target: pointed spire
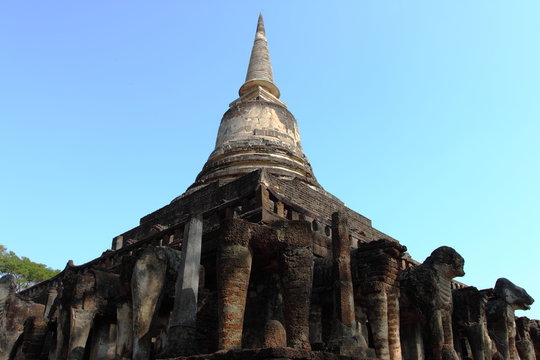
[(260, 69)]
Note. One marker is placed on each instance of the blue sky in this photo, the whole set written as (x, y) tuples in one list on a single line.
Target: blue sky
[(421, 115)]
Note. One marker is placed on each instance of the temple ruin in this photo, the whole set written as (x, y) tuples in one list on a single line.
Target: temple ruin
[(257, 261)]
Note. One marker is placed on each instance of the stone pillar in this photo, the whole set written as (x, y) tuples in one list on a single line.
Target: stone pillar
[(124, 330), (82, 310), (280, 208), (182, 325), (35, 330), (117, 242), (315, 326), (377, 313), (51, 296), (296, 266), (233, 270), (58, 352), (345, 333), (343, 286), (394, 343), (103, 342), (80, 325), (378, 280), (412, 340), (147, 283)]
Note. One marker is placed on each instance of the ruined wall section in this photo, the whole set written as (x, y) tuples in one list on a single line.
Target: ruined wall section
[(319, 205), (239, 194), (258, 196)]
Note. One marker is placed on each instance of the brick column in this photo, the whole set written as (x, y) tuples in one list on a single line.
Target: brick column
[(296, 265), (345, 333), (233, 270), (377, 314), (378, 280), (394, 342), (343, 286)]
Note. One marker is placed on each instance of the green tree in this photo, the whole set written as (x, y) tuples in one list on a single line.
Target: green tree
[(25, 270)]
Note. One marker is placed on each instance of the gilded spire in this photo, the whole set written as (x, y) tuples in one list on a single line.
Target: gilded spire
[(260, 69)]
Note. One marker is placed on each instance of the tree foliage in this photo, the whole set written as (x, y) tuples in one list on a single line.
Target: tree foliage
[(25, 270)]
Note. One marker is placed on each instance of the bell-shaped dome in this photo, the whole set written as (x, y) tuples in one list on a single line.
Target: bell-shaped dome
[(257, 131)]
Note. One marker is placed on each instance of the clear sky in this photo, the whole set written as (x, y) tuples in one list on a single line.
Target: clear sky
[(423, 116)]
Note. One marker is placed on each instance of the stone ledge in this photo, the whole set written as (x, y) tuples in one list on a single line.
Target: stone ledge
[(277, 353)]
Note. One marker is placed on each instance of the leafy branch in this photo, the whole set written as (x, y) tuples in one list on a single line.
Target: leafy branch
[(26, 272)]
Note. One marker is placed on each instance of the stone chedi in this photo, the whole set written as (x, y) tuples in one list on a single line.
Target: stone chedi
[(257, 261)]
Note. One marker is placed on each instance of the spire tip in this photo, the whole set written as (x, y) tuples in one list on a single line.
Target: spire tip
[(260, 69)]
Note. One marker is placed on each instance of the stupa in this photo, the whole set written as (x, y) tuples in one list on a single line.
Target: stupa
[(255, 260)]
